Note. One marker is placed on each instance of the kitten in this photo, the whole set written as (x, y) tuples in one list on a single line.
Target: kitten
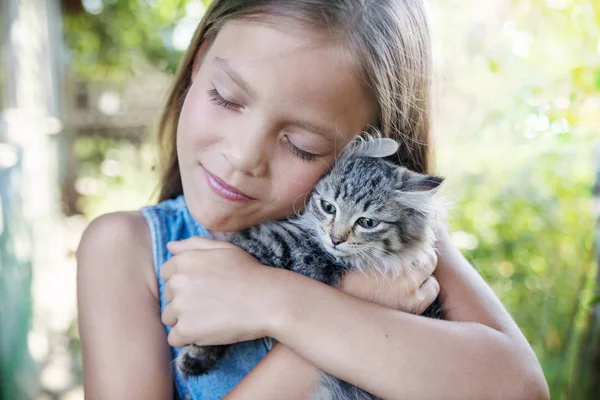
[(365, 213)]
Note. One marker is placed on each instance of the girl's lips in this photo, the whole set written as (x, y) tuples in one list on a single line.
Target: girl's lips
[(223, 189)]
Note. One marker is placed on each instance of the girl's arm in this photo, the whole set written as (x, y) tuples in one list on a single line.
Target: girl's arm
[(479, 353), (282, 374), (124, 346), (297, 378)]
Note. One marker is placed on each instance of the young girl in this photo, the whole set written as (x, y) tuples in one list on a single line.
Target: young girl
[(268, 94)]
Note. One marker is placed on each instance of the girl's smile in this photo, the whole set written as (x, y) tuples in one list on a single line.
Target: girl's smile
[(222, 189)]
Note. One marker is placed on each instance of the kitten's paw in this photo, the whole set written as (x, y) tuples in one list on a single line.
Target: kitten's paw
[(199, 360)]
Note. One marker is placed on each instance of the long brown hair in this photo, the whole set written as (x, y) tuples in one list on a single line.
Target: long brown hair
[(390, 39)]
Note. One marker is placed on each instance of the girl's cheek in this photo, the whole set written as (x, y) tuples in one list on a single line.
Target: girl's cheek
[(198, 114), (303, 180), (198, 103)]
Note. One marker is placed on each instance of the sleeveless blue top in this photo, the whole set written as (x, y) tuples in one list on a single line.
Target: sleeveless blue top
[(170, 221)]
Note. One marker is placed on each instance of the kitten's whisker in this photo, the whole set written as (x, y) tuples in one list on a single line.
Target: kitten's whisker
[(400, 260), (364, 260), (368, 257), (305, 194), (395, 277), (377, 262)]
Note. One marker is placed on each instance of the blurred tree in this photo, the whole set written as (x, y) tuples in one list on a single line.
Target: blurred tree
[(107, 37), (520, 113), (70, 6), (587, 370)]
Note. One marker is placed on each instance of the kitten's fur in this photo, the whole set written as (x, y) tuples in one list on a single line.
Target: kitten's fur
[(381, 216)]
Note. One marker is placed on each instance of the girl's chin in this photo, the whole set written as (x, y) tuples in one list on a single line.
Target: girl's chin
[(217, 219), (217, 216), (215, 223)]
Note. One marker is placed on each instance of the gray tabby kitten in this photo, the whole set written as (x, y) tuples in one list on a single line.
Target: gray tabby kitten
[(366, 213)]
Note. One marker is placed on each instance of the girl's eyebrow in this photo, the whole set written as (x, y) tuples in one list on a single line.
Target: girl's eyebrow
[(326, 133), (223, 64)]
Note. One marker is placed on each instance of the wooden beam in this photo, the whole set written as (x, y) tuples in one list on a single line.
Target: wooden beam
[(72, 6)]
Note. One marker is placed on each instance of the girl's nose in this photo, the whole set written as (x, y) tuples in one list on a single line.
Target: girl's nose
[(249, 152)]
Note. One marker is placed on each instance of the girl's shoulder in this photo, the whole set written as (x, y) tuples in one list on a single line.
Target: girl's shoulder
[(124, 235), (133, 244), (115, 226)]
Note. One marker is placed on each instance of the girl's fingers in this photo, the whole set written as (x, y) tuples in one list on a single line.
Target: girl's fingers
[(168, 293), (428, 292), (197, 243), (169, 317), (175, 339), (423, 267), (433, 259), (167, 270)]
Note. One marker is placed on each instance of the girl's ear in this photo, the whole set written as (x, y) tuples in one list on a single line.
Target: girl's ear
[(199, 57), (371, 147), (419, 183)]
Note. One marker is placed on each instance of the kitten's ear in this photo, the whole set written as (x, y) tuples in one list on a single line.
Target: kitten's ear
[(371, 147), (413, 182)]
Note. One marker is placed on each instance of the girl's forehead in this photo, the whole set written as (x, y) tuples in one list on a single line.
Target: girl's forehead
[(293, 69)]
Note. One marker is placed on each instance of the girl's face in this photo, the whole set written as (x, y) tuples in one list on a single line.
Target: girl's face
[(267, 112)]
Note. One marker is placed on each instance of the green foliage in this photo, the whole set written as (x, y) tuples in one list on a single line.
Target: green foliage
[(121, 33), (532, 223), (520, 164), (114, 175)]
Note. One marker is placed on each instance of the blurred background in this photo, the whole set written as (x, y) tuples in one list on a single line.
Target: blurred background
[(516, 123)]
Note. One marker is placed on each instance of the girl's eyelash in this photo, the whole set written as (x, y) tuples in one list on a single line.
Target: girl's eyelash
[(305, 155), (216, 98)]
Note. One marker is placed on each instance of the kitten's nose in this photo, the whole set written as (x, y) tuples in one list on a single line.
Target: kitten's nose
[(337, 239)]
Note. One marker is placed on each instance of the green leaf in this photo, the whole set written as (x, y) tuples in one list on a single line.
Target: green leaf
[(594, 301)]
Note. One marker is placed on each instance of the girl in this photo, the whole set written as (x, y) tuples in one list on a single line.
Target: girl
[(268, 93)]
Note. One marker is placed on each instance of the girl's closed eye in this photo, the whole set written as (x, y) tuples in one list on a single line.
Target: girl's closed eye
[(219, 100), (303, 154)]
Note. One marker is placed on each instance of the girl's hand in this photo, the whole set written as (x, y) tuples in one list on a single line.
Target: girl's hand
[(217, 293), (412, 292)]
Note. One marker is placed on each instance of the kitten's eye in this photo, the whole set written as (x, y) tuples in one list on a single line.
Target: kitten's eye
[(367, 223), (328, 207)]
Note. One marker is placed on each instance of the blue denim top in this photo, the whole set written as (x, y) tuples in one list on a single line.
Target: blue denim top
[(170, 221)]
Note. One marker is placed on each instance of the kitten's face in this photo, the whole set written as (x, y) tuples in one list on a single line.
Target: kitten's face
[(367, 208)]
